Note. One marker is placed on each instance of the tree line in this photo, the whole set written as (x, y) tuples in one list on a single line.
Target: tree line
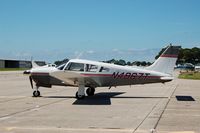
[(186, 55), (128, 63), (113, 61)]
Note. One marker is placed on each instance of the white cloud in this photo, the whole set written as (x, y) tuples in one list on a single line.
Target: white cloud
[(117, 51)]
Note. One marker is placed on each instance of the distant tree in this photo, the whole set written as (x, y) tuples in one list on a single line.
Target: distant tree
[(137, 63), (196, 55), (128, 63), (113, 61), (149, 63), (143, 63), (61, 62), (122, 62), (187, 55), (180, 57), (118, 62)]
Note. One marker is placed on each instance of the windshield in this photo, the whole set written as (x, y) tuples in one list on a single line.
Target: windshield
[(75, 67), (60, 67)]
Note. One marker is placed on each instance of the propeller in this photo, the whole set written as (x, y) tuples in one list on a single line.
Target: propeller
[(31, 81)]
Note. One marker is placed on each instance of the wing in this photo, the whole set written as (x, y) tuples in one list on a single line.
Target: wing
[(70, 78), (73, 78)]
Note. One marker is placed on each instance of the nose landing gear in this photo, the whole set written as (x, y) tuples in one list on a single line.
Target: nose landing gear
[(36, 92)]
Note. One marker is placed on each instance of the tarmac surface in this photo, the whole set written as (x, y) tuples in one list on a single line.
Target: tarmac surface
[(173, 107)]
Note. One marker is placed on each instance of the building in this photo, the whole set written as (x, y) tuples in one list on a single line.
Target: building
[(11, 63)]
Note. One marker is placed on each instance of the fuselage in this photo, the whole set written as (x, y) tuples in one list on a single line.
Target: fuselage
[(95, 74), (92, 74)]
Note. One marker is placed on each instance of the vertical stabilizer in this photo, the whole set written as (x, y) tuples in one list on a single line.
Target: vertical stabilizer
[(167, 60)]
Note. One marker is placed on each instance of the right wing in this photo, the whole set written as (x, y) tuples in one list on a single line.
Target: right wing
[(75, 78), (69, 77)]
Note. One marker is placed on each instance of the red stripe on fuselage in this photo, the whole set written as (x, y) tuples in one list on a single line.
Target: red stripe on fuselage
[(169, 56), (111, 75)]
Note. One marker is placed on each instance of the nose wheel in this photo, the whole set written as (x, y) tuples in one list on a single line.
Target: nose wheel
[(80, 94), (36, 93)]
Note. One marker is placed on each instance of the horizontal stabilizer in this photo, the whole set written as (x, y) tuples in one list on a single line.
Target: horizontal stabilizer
[(167, 78)]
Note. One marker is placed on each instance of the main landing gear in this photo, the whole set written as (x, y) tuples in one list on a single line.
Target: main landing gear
[(90, 91), (80, 94), (36, 92)]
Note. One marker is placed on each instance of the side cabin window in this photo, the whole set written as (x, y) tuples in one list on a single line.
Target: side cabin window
[(75, 67), (91, 68), (104, 69)]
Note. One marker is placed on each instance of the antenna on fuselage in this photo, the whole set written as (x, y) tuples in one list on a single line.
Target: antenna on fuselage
[(79, 55)]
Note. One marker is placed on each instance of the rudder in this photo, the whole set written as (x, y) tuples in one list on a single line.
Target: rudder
[(167, 60)]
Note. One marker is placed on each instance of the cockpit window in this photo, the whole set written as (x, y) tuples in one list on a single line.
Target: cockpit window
[(75, 67), (104, 69), (91, 68), (61, 66)]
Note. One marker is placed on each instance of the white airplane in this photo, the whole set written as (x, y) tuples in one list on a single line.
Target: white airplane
[(92, 74)]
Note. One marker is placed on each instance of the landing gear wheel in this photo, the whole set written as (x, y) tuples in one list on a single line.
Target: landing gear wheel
[(90, 91), (79, 96), (36, 93)]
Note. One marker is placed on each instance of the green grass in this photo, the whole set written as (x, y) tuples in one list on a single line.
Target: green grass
[(13, 69), (190, 75)]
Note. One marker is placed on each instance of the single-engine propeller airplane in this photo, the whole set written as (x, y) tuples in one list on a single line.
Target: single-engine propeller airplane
[(91, 74)]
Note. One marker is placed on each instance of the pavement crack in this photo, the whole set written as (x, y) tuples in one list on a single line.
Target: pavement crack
[(153, 110), (29, 109), (146, 117), (169, 98)]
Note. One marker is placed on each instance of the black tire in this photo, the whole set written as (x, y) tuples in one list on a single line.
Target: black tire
[(79, 97), (36, 93), (90, 91)]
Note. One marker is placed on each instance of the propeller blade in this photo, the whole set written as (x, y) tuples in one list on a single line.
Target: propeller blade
[(31, 81)]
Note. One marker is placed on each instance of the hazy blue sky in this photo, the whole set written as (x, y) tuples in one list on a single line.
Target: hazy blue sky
[(96, 29)]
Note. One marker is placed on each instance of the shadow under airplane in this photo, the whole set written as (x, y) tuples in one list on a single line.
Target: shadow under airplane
[(98, 99), (103, 98)]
